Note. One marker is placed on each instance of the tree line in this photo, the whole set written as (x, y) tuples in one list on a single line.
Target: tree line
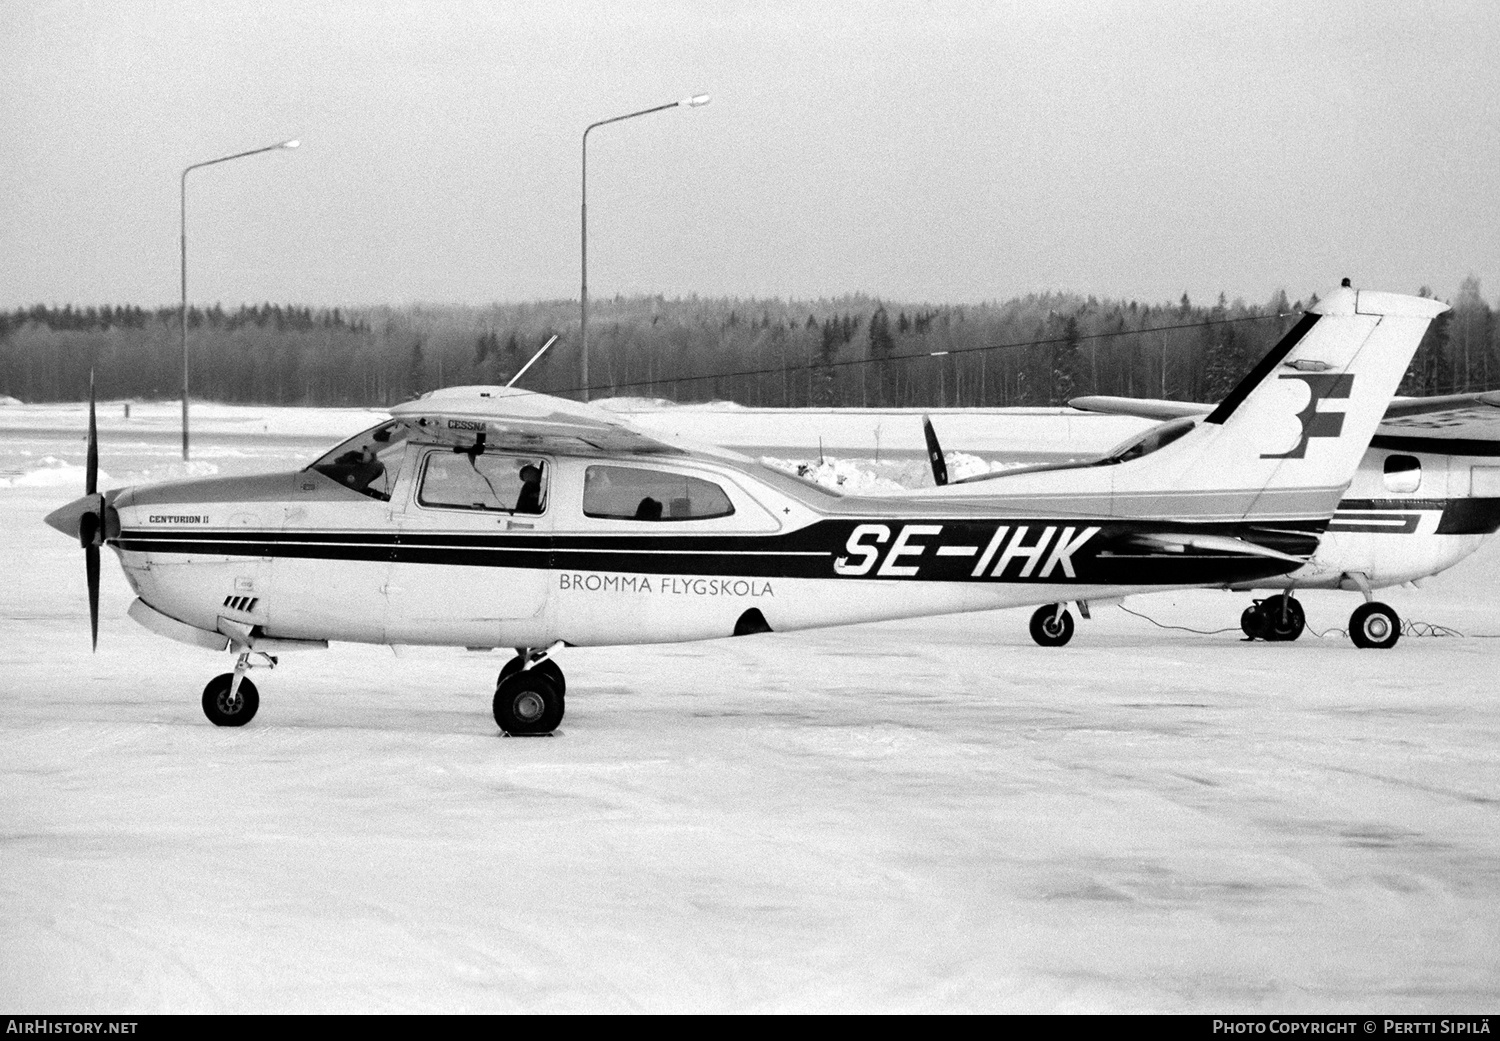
[(853, 351)]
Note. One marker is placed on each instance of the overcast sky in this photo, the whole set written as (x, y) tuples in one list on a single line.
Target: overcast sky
[(945, 152)]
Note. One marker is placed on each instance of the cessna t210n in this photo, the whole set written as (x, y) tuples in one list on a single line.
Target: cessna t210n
[(488, 517)]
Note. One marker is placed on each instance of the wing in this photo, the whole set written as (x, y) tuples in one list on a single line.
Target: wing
[(1461, 418), (1467, 422), (522, 420), (1145, 408)]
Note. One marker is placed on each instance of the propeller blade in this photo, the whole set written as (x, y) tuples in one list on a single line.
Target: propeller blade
[(91, 565), (91, 472), (935, 454)]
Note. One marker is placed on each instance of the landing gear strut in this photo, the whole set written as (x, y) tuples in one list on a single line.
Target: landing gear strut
[(1274, 619), (529, 693)]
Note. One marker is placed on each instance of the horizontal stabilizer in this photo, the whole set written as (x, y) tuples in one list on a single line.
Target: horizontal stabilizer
[(1173, 541)]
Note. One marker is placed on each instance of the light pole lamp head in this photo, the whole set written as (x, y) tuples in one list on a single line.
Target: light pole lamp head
[(696, 101), (294, 143)]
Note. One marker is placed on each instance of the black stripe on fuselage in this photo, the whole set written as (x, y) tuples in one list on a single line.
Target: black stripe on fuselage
[(1463, 516), (1064, 550)]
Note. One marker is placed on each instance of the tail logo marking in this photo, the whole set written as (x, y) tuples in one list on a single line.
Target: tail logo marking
[(1315, 423)]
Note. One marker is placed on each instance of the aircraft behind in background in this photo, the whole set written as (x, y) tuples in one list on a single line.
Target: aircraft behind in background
[(1425, 496), (489, 517)]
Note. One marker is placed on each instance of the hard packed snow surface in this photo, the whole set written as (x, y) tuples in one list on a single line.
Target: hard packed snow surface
[(932, 815)]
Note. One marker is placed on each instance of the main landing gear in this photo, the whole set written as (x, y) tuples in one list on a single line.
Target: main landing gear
[(1278, 618), (529, 693), (1275, 619), (1052, 624)]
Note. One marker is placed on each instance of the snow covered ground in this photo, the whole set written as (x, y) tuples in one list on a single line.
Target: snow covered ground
[(924, 815)]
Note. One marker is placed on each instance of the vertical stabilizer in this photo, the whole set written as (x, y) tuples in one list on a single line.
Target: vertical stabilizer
[(1288, 439)]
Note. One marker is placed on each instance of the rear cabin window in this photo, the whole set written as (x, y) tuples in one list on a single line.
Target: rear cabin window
[(465, 481), (1403, 473), (625, 493)]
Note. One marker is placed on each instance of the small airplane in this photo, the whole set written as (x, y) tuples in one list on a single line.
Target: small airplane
[(489, 517), (1426, 495)]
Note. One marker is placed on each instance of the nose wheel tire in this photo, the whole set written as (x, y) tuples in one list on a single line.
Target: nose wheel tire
[(1051, 628), (224, 712), (528, 703), (1374, 625)]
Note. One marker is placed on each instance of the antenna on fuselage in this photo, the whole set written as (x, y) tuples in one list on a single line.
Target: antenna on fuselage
[(534, 357)]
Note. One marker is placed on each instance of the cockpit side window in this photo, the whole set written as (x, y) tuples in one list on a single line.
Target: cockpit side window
[(484, 481), (367, 462), (626, 493), (1403, 473)]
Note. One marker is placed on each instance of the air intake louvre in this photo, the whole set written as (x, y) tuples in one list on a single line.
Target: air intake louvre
[(241, 603)]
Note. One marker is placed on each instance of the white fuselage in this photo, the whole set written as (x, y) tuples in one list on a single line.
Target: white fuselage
[(295, 557)]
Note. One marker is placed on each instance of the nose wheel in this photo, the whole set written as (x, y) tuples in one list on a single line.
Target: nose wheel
[(1374, 625), (230, 700)]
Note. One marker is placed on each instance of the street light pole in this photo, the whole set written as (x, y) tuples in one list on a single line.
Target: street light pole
[(696, 101), (183, 198)]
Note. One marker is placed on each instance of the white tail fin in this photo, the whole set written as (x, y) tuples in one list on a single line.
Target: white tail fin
[(1288, 439)]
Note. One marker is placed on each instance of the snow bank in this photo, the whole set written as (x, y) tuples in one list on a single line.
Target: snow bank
[(53, 473), (877, 477)]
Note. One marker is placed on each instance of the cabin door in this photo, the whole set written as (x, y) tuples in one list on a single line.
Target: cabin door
[(474, 544)]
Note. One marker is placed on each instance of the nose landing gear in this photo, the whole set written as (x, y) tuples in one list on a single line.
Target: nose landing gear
[(231, 700), (1374, 625)]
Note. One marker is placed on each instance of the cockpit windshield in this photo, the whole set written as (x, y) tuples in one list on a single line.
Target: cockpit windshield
[(368, 462), (1145, 443)]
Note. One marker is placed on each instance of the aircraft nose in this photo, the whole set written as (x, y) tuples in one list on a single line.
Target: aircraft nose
[(66, 518)]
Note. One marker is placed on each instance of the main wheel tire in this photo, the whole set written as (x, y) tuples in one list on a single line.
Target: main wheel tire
[(528, 703), (1282, 623), (1253, 622), (1374, 625), (546, 666), (1049, 628), (221, 712)]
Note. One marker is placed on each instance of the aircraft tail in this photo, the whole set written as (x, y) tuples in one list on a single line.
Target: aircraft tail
[(1288, 439)]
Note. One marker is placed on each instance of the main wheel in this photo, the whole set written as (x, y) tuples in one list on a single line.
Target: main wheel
[(222, 712), (528, 703), (1051, 628), (1253, 622), (546, 666), (1282, 622), (1374, 625)]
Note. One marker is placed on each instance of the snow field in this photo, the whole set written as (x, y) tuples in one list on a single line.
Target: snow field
[(924, 815)]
